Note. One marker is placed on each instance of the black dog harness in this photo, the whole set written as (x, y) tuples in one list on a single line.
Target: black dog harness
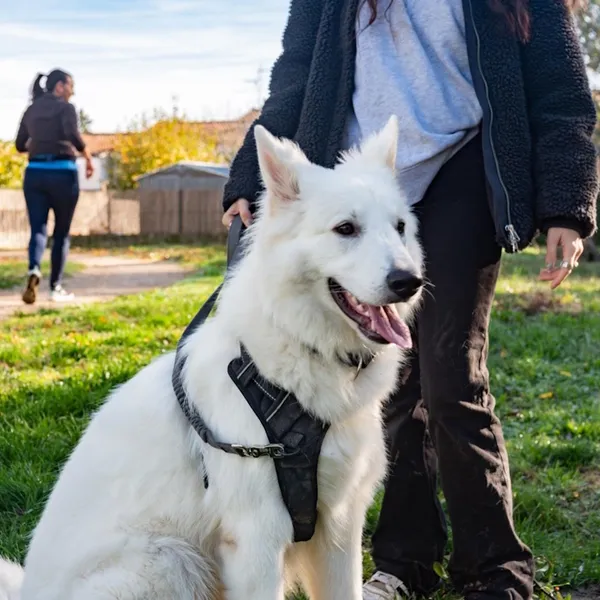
[(295, 436)]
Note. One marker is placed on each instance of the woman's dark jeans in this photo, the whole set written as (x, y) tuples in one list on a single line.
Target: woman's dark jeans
[(45, 189), (442, 418)]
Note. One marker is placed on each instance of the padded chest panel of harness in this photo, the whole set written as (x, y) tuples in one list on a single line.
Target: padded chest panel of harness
[(287, 423)]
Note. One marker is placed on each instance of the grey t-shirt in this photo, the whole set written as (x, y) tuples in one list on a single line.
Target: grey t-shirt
[(412, 62)]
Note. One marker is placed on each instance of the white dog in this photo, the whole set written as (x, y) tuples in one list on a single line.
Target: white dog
[(333, 269)]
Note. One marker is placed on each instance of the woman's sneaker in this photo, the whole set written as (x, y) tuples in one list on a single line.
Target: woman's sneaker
[(59, 294), (33, 281), (383, 586)]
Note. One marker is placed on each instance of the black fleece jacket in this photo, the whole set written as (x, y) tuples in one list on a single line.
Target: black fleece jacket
[(50, 126), (538, 113)]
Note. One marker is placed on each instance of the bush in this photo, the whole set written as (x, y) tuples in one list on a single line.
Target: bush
[(12, 166), (159, 142)]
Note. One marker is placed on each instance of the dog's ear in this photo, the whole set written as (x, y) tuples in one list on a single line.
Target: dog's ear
[(277, 160), (382, 147)]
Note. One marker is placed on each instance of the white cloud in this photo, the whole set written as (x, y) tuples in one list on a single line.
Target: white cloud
[(121, 70), (175, 6)]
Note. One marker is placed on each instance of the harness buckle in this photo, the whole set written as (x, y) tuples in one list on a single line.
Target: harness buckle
[(270, 451)]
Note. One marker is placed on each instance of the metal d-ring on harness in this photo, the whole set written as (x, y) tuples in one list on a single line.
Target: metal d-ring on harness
[(295, 436)]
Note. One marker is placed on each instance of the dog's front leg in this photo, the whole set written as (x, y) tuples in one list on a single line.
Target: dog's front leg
[(335, 562), (252, 555)]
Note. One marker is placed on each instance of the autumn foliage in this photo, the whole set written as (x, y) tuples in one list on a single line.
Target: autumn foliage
[(12, 166), (158, 142)]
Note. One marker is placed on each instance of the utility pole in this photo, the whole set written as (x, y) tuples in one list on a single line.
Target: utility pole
[(257, 82)]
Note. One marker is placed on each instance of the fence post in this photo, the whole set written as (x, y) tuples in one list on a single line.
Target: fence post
[(109, 208), (180, 208)]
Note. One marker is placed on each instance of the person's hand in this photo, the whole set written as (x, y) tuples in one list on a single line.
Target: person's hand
[(89, 169), (571, 249), (239, 207)]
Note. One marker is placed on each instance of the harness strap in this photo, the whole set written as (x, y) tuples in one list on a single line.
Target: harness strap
[(193, 416), (233, 254), (286, 422), (206, 435)]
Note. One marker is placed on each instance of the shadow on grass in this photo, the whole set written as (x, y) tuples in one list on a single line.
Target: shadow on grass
[(528, 263), (205, 256), (520, 291), (13, 272), (110, 242)]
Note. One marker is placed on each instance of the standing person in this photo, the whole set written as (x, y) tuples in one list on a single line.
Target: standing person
[(496, 119), (50, 133)]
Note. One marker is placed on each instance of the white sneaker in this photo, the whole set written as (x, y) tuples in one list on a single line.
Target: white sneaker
[(383, 586), (59, 294)]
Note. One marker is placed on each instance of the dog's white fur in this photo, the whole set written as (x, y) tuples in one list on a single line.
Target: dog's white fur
[(11, 580), (129, 517)]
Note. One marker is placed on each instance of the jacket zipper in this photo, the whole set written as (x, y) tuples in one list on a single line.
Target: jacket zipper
[(509, 229)]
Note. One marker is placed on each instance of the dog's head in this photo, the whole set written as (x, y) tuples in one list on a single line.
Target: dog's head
[(340, 245)]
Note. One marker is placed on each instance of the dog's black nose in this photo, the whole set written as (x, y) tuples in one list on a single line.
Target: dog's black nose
[(403, 284)]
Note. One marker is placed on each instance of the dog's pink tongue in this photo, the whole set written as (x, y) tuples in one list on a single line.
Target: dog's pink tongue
[(387, 323)]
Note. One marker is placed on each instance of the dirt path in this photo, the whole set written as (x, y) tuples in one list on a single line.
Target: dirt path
[(103, 278)]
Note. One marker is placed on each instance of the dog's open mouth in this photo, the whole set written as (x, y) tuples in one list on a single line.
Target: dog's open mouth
[(381, 324)]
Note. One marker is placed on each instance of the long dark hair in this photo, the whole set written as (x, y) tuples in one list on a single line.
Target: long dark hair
[(515, 13), (54, 77)]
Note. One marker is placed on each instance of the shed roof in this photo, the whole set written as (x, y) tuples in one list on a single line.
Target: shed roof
[(186, 167)]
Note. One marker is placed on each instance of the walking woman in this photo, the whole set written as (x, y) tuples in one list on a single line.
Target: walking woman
[(50, 134), (496, 119)]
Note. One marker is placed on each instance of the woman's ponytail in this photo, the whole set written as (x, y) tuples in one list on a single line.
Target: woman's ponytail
[(36, 89)]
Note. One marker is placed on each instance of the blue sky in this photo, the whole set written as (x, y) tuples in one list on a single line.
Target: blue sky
[(131, 56)]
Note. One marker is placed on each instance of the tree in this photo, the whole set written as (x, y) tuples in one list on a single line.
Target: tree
[(591, 253), (588, 21), (85, 121), (259, 85), (150, 144), (597, 132), (12, 166)]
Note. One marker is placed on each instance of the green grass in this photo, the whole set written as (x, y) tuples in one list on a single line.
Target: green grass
[(196, 253), (57, 366), (206, 258), (13, 272)]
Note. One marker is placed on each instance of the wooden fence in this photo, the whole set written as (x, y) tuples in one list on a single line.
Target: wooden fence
[(183, 212), (155, 213)]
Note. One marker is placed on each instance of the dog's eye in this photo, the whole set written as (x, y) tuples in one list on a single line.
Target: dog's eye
[(401, 226), (346, 229)]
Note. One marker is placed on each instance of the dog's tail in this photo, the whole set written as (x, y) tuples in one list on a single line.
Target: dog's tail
[(11, 579)]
